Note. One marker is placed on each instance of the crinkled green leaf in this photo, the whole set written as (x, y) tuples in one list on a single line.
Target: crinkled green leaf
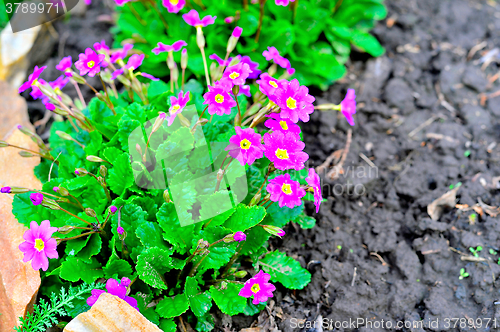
[(285, 270), (74, 269), (152, 264), (172, 306), (245, 217), (199, 302), (179, 237), (228, 300)]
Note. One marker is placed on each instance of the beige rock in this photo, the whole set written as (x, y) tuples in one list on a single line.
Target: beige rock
[(110, 314), (19, 283), (13, 110)]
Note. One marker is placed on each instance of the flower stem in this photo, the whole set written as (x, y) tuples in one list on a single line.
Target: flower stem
[(110, 104), (76, 237), (237, 119), (221, 176), (233, 259), (261, 19), (136, 14), (77, 217), (79, 92), (205, 65)]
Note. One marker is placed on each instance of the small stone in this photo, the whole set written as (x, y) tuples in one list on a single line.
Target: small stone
[(475, 79), (110, 313)]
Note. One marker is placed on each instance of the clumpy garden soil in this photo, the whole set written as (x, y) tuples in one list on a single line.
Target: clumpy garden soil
[(379, 256), (375, 253)]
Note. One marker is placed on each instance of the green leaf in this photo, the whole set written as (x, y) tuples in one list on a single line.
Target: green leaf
[(200, 303), (74, 269), (118, 267), (281, 216), (285, 270), (228, 300), (120, 176), (152, 264), (305, 222), (205, 323), (212, 208), (150, 235), (132, 216), (149, 312), (179, 237), (219, 254), (92, 248), (245, 217), (367, 43), (168, 325), (172, 306)]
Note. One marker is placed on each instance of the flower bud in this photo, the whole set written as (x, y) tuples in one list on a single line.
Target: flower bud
[(64, 135), (81, 172), (233, 40), (184, 59), (113, 209), (273, 230), (26, 154), (25, 130), (220, 174), (124, 80), (90, 212), (158, 122), (3, 144), (241, 274), (228, 238), (166, 196), (63, 191), (170, 61), (94, 159), (100, 97), (138, 149), (200, 38), (184, 121), (51, 204), (236, 90), (65, 229), (14, 190), (78, 78), (103, 170), (255, 199)]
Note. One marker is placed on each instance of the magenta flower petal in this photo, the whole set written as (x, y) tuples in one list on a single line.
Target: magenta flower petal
[(285, 191), (36, 198), (133, 302), (245, 146), (193, 18), (135, 61), (151, 77), (174, 6), (258, 287), (91, 300), (237, 32), (89, 62), (122, 53), (348, 106), (237, 74), (275, 123), (39, 245), (294, 101), (285, 150), (177, 105), (101, 46), (218, 98), (268, 85), (5, 190), (65, 63), (254, 67), (283, 2), (314, 181), (32, 78), (114, 287), (239, 236)]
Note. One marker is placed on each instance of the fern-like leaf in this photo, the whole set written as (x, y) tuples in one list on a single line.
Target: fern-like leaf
[(46, 314)]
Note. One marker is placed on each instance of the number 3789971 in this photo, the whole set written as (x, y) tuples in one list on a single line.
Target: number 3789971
[(24, 7)]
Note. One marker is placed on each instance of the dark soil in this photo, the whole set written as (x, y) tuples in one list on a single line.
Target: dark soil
[(376, 254), (76, 33)]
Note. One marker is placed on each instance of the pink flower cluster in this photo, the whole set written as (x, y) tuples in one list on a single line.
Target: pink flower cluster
[(116, 288)]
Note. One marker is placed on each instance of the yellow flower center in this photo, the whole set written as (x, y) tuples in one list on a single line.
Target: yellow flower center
[(39, 244), (286, 188), (273, 83), (176, 107), (283, 125), (291, 103), (219, 98), (91, 64), (245, 144), (255, 288), (57, 91), (174, 2), (35, 82), (234, 75), (281, 154)]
